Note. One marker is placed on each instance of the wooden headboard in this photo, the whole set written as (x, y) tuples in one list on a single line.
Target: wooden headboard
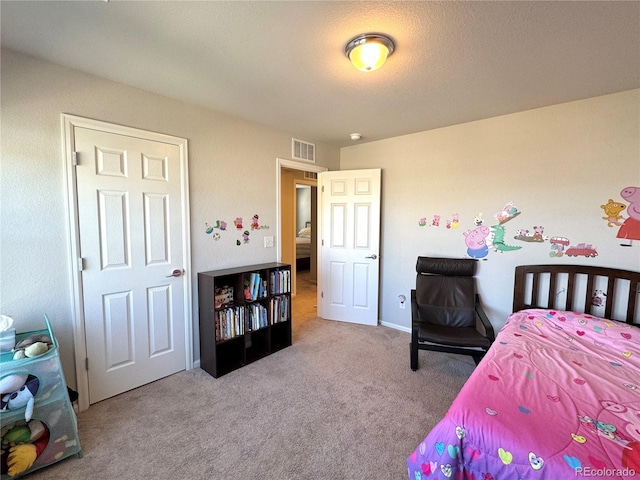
[(572, 288)]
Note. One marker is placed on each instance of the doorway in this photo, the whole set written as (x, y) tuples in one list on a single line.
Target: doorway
[(297, 210)]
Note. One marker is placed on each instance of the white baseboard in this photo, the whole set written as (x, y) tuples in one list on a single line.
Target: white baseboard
[(395, 326)]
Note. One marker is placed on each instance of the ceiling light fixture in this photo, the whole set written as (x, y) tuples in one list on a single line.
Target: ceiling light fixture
[(355, 136), (369, 51)]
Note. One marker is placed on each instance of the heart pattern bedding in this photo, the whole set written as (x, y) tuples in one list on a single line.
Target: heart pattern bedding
[(556, 397)]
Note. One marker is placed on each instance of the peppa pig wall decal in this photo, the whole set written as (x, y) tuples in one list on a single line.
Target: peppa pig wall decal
[(630, 228)]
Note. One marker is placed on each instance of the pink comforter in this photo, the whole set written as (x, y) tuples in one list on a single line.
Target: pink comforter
[(557, 397)]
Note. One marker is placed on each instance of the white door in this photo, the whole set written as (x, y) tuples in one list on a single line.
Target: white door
[(349, 245), (130, 225)]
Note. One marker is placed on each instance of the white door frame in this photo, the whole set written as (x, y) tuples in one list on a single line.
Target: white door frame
[(292, 164), (69, 123)]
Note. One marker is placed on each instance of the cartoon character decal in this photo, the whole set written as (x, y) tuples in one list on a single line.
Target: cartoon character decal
[(476, 241), (582, 250), (558, 245), (537, 235), (508, 212), (612, 212), (220, 224), (630, 229), (455, 221), (497, 240)]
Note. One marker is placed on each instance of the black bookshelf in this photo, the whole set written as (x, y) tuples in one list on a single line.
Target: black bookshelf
[(244, 315)]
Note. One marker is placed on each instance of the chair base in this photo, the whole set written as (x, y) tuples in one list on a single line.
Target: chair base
[(477, 355)]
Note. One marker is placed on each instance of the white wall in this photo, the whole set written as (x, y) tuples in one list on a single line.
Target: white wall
[(558, 164), (303, 206), (232, 173)]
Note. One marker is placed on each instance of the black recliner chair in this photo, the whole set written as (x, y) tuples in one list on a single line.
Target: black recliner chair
[(446, 315)]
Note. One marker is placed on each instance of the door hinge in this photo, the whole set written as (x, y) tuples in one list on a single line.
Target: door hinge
[(323, 188), (322, 242), (321, 294), (74, 159), (80, 264), (86, 364)]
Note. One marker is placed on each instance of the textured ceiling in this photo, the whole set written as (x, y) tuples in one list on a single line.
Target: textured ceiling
[(282, 64)]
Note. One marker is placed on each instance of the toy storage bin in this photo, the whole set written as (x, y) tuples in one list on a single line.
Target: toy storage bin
[(51, 405)]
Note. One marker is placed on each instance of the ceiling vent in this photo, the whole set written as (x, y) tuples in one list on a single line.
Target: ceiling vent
[(303, 150)]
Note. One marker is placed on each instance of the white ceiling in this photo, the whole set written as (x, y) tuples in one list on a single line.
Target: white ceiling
[(282, 64)]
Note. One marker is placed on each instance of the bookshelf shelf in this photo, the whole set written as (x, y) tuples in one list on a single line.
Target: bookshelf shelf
[(244, 315)]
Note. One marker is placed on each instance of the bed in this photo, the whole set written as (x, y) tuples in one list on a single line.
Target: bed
[(303, 248), (557, 396)]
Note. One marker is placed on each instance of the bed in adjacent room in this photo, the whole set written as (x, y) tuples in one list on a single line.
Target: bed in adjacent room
[(303, 248), (557, 396)]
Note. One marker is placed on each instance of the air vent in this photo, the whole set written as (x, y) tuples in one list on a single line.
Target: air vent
[(303, 150), (311, 175)]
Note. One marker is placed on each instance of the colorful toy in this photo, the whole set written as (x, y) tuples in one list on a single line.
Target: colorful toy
[(23, 443)]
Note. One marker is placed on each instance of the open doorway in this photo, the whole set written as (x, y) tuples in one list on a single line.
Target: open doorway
[(298, 218), (297, 198), (306, 249)]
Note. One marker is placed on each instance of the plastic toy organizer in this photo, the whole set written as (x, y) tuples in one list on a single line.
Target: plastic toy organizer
[(52, 407)]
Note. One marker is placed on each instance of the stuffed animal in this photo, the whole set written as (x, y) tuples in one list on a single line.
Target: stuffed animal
[(32, 346), (23, 397), (20, 458), (11, 383), (22, 444)]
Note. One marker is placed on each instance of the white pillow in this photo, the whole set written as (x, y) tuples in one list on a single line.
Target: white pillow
[(305, 232)]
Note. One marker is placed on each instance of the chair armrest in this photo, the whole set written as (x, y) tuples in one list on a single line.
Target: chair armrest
[(415, 318), (483, 325)]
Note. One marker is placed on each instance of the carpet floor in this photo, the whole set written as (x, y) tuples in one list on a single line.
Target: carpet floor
[(340, 403)]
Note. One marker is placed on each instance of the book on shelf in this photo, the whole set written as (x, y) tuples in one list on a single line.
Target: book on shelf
[(280, 282), (229, 323), (255, 287), (279, 309)]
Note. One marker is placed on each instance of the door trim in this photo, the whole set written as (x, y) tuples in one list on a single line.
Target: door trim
[(69, 124)]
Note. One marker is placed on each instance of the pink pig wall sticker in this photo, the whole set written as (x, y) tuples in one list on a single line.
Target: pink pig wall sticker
[(630, 229), (476, 241)]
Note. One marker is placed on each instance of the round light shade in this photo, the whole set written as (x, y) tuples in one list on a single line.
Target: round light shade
[(369, 51)]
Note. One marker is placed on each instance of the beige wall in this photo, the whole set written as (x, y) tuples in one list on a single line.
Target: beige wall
[(558, 164), (232, 166)]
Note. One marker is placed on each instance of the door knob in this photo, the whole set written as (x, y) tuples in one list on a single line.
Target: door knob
[(374, 256), (176, 273)]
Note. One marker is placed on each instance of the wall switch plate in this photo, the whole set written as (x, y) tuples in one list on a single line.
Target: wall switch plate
[(268, 242)]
